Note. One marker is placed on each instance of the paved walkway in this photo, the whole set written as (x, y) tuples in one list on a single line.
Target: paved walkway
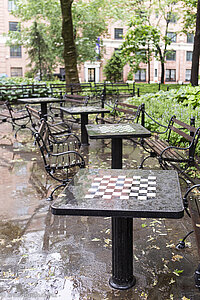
[(56, 257)]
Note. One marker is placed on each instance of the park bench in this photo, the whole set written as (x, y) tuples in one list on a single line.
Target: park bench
[(60, 89), (121, 89), (56, 128), (123, 112), (75, 99), (61, 157), (168, 155)]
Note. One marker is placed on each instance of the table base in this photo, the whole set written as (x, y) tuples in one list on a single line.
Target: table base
[(122, 253)]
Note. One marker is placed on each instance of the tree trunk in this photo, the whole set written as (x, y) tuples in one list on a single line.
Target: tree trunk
[(162, 80), (196, 50), (70, 59), (162, 61)]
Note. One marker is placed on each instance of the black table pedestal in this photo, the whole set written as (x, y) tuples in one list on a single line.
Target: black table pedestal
[(44, 110), (116, 153), (122, 253), (84, 134)]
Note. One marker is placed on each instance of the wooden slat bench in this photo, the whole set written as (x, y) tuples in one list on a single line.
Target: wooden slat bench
[(123, 112), (61, 157), (56, 129), (75, 99), (169, 155)]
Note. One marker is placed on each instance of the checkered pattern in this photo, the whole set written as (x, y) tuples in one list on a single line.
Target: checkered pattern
[(119, 128), (122, 187)]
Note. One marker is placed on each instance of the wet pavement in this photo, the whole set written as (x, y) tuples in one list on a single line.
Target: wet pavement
[(57, 257)]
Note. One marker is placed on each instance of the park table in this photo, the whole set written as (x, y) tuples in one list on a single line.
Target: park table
[(43, 101), (84, 111), (122, 195), (117, 132)]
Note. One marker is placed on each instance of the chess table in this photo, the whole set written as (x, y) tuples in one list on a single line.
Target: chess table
[(122, 195), (43, 101), (117, 132), (84, 111)]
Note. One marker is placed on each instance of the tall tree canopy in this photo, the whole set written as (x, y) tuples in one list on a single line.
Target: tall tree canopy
[(148, 30), (85, 30)]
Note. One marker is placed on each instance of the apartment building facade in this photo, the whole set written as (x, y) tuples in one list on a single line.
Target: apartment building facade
[(14, 60)]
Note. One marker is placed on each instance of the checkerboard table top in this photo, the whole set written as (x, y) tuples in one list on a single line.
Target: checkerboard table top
[(128, 193), (39, 100), (117, 130), (84, 109)]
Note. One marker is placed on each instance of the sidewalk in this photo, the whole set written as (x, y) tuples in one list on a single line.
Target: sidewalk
[(58, 257)]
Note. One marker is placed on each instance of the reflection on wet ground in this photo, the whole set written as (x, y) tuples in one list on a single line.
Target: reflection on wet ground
[(58, 257)]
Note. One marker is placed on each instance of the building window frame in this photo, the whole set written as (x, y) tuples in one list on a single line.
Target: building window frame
[(140, 75), (172, 36), (188, 74), (171, 17), (11, 5), (189, 55), (16, 72), (14, 26), (170, 75), (171, 55), (118, 33), (190, 38), (15, 51)]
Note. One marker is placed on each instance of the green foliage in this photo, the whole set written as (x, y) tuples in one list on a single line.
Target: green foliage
[(114, 67), (48, 12), (189, 16), (164, 104)]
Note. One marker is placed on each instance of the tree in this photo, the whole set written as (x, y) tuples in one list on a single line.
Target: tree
[(137, 47), (70, 58), (86, 29), (143, 33), (38, 52), (196, 50), (114, 67)]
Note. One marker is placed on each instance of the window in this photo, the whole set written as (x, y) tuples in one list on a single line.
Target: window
[(16, 72), (140, 75), (187, 74), (118, 33), (171, 17), (170, 75), (190, 38), (11, 5), (188, 55), (14, 26), (156, 73), (171, 55), (172, 36), (16, 51)]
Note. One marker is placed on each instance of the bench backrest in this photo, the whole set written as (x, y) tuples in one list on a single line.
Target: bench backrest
[(131, 112), (74, 98), (58, 155), (188, 132)]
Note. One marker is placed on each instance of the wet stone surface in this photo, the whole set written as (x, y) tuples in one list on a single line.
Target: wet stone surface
[(69, 257)]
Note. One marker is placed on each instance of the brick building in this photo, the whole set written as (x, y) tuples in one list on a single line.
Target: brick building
[(13, 60)]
